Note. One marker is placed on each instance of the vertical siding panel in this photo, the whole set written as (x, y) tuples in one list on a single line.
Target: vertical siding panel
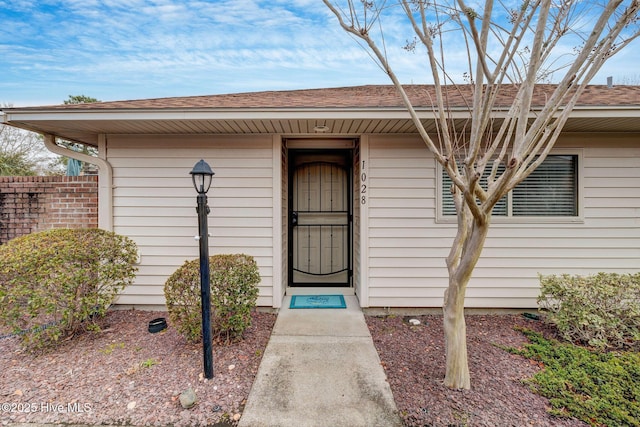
[(285, 217), (277, 192), (359, 243), (154, 203)]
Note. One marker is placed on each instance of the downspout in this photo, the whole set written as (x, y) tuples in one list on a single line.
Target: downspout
[(105, 177)]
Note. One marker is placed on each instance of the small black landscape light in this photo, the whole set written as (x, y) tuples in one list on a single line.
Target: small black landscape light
[(157, 325), (202, 175)]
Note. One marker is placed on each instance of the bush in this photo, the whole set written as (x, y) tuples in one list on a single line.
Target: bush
[(234, 292), (601, 389), (601, 310), (57, 282)]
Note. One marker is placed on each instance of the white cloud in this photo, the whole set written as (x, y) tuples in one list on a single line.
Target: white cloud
[(120, 49)]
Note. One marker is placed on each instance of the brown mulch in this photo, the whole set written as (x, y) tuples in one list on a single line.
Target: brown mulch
[(414, 360), (126, 375)]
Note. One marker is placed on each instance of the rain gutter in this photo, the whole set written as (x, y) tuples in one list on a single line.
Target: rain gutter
[(105, 176)]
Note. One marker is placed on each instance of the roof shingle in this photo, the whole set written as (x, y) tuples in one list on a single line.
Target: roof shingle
[(370, 96)]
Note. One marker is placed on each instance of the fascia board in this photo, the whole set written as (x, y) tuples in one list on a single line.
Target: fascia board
[(200, 114), (25, 116)]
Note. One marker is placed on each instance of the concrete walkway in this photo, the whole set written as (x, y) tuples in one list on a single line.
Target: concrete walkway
[(320, 368)]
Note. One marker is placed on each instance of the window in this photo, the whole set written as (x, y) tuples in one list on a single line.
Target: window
[(550, 191)]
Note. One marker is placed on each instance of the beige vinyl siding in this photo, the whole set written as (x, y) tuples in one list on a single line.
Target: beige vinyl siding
[(154, 204), (406, 262), (408, 247)]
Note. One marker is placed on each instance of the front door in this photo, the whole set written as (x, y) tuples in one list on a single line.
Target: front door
[(320, 218)]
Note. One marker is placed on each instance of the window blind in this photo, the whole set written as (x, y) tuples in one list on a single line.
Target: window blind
[(448, 207), (551, 190)]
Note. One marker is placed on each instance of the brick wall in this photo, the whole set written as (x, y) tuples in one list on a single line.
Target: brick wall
[(34, 203)]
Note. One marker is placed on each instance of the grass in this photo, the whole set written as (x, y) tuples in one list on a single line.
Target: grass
[(111, 347), (148, 363), (145, 364), (600, 388)]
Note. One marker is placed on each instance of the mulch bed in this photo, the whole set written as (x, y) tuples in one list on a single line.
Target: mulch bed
[(126, 375), (414, 360)]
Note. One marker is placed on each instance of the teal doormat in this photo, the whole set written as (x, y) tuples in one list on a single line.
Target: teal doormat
[(317, 301)]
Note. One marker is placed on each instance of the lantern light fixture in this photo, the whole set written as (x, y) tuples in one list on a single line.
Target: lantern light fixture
[(201, 174)]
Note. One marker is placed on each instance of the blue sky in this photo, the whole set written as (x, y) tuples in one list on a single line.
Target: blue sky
[(133, 49)]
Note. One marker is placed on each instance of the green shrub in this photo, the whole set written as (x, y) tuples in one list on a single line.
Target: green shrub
[(234, 292), (601, 310), (56, 282), (601, 389)]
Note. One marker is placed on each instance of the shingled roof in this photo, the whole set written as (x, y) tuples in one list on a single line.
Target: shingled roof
[(375, 109), (371, 96)]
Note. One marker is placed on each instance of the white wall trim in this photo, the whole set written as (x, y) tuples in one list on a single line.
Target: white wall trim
[(105, 187), (276, 178), (364, 223)]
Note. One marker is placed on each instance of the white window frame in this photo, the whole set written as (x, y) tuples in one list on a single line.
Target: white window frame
[(509, 219)]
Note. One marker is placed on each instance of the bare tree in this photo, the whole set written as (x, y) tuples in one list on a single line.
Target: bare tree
[(507, 49), (23, 153)]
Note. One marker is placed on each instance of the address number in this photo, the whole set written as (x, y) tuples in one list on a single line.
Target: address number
[(363, 185)]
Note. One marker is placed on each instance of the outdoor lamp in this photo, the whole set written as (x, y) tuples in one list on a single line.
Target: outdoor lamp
[(202, 176)]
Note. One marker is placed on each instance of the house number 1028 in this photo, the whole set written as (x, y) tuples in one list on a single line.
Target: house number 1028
[(363, 184)]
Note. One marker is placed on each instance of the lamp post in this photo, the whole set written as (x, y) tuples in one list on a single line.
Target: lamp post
[(201, 174)]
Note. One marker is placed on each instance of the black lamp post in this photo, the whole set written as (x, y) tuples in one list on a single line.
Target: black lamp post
[(202, 176)]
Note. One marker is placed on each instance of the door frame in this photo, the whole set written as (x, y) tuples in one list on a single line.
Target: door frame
[(346, 154)]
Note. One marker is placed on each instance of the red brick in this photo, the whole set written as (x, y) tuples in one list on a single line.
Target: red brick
[(29, 204)]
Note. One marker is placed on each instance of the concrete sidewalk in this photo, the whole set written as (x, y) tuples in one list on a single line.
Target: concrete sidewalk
[(320, 368)]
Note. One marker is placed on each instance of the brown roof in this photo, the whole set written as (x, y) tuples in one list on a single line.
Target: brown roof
[(371, 96)]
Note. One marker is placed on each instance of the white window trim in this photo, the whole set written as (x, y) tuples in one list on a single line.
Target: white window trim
[(579, 219)]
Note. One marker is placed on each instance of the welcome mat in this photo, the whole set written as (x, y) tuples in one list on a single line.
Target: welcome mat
[(317, 301)]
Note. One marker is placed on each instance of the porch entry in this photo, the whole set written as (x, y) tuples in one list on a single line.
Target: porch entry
[(320, 218)]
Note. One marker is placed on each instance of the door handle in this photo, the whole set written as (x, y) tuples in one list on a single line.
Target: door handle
[(294, 219)]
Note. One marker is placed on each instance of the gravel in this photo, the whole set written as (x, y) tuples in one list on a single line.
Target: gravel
[(126, 375)]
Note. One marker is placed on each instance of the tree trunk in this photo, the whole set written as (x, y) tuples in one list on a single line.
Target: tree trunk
[(461, 264), (455, 334)]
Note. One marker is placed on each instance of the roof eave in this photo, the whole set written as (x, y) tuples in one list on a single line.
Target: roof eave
[(85, 125), (13, 115)]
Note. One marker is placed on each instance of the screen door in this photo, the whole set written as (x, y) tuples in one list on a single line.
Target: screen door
[(320, 224)]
